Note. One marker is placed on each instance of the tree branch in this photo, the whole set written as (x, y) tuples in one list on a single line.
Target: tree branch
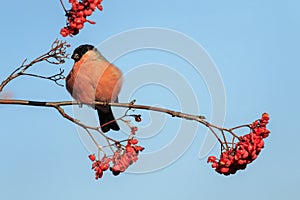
[(130, 105), (56, 55), (55, 78), (59, 104)]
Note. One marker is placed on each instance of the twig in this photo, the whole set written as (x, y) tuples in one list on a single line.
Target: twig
[(56, 55), (55, 77), (63, 6), (60, 104), (198, 118)]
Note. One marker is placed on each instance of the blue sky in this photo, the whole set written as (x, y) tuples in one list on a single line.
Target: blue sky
[(255, 47)]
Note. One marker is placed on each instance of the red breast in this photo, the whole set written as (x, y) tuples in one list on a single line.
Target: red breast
[(93, 78)]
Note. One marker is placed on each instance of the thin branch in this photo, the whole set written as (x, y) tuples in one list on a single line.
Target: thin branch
[(216, 135), (198, 118), (56, 55), (55, 78), (131, 105), (59, 107), (63, 6), (241, 126), (224, 138)]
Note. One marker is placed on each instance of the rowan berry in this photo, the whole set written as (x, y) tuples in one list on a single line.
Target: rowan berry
[(64, 32), (92, 157), (104, 166), (76, 16), (211, 159), (139, 148), (245, 151), (129, 148), (133, 141)]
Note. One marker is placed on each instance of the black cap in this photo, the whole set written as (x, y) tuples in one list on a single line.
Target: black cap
[(80, 51)]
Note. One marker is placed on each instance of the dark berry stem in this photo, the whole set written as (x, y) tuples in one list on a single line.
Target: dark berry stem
[(62, 4)]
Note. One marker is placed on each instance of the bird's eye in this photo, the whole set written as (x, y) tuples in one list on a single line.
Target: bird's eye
[(76, 56)]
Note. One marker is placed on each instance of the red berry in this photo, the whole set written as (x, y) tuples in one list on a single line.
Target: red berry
[(104, 167), (224, 170), (250, 148), (241, 162), (129, 148), (214, 165), (64, 32), (80, 6), (261, 144), (79, 26), (254, 156), (99, 173), (79, 20), (245, 155), (92, 6), (88, 12), (133, 141), (73, 25), (237, 156), (92, 157), (74, 6), (211, 159), (139, 148), (100, 7), (265, 116), (80, 14), (222, 162)]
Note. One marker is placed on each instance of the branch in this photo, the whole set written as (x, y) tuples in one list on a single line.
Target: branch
[(63, 6), (55, 78), (234, 155), (130, 105), (56, 55), (58, 106)]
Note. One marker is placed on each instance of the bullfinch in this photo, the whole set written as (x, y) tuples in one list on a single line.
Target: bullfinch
[(93, 78)]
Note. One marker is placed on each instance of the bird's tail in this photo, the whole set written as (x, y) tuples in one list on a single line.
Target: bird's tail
[(107, 119)]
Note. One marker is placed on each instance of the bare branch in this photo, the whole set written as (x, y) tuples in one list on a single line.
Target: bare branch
[(131, 105), (55, 77), (198, 118), (63, 6), (56, 55)]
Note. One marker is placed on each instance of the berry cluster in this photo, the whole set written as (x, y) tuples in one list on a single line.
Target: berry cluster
[(243, 152), (76, 16), (99, 166), (121, 159)]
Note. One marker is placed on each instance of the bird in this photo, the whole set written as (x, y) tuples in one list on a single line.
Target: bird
[(93, 78)]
